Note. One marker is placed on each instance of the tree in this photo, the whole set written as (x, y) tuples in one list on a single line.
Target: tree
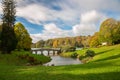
[(94, 40), (40, 44), (8, 39), (49, 43), (110, 31), (55, 44), (0, 34), (23, 37)]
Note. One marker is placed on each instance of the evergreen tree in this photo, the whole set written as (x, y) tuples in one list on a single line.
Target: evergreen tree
[(8, 39)]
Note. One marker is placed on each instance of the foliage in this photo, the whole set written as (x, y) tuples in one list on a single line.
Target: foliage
[(94, 41), (74, 55), (110, 31), (81, 57), (55, 44), (8, 38), (40, 44), (23, 37), (34, 59), (68, 49), (90, 53), (0, 35), (78, 41), (20, 58)]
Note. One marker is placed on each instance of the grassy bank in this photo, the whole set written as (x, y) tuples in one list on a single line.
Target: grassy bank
[(22, 58), (104, 66), (100, 53)]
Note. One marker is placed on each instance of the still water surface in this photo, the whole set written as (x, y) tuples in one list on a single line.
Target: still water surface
[(58, 60)]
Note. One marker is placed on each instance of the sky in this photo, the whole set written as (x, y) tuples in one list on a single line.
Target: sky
[(46, 19)]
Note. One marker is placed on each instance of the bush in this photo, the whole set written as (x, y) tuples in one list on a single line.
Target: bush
[(34, 59), (82, 57), (68, 49), (74, 55), (90, 53)]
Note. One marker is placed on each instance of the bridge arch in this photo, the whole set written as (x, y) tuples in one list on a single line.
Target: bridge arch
[(41, 50)]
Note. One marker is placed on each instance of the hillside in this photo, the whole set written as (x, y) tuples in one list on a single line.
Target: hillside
[(104, 66)]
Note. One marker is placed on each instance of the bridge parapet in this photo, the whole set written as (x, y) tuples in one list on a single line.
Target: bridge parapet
[(58, 50)]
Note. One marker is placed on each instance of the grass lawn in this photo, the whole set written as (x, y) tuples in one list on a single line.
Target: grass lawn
[(104, 66)]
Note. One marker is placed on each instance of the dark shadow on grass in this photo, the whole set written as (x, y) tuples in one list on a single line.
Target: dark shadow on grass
[(104, 51), (64, 76), (88, 66), (109, 58), (89, 76)]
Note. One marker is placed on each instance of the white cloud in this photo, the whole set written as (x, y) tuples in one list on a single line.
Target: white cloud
[(33, 13), (0, 8), (51, 31), (36, 13), (52, 28), (87, 25), (84, 29), (88, 11), (90, 17)]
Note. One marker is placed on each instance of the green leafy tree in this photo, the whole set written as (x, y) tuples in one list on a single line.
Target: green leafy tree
[(8, 38), (0, 34), (23, 37)]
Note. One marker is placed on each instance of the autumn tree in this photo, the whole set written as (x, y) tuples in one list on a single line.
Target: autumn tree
[(55, 43), (94, 40), (40, 44), (8, 39), (23, 37), (110, 31), (49, 43)]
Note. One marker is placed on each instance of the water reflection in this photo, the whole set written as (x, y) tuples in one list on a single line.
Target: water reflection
[(58, 60)]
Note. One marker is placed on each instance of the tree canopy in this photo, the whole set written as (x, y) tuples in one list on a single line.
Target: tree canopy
[(8, 39), (110, 31), (23, 37)]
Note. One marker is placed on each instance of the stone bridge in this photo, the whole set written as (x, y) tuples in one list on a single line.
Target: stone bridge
[(54, 50)]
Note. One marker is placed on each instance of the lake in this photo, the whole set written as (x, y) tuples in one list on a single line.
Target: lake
[(58, 60)]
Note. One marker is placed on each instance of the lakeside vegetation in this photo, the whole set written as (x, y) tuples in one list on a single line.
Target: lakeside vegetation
[(104, 66), (23, 58)]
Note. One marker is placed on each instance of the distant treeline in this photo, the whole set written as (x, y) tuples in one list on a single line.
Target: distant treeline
[(79, 41)]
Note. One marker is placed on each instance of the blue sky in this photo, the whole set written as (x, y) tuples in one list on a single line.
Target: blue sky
[(46, 19)]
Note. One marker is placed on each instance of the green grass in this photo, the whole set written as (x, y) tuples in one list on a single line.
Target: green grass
[(104, 66), (14, 59)]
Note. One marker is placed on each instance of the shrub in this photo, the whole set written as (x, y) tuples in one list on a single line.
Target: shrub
[(74, 55), (33, 59), (90, 53), (82, 57), (68, 49)]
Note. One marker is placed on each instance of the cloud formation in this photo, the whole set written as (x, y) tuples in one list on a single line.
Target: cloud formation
[(87, 26), (81, 16), (88, 23), (51, 31)]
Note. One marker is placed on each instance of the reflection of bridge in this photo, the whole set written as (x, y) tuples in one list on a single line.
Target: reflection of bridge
[(54, 50)]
